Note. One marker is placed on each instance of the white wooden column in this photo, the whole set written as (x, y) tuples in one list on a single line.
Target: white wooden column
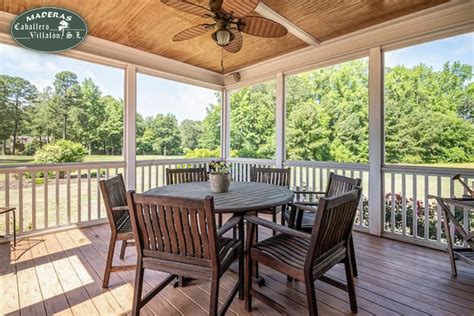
[(225, 125), (376, 137), (280, 120), (130, 122)]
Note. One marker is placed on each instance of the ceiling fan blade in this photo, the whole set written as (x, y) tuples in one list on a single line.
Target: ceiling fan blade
[(236, 44), (192, 32), (215, 5), (188, 7), (239, 8), (258, 26)]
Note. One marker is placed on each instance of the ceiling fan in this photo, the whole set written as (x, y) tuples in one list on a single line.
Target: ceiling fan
[(230, 19)]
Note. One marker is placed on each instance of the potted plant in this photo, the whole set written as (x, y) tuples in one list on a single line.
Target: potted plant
[(219, 176)]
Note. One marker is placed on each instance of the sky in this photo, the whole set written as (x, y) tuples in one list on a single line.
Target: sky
[(156, 95)]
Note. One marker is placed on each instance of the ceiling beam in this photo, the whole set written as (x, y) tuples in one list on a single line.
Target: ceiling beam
[(292, 28)]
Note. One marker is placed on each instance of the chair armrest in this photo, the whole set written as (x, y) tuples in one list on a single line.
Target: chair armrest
[(305, 207), (232, 222), (309, 192), (279, 228), (120, 208)]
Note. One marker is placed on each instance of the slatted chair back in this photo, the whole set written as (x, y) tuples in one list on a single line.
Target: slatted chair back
[(115, 200), (185, 175), (340, 184), (275, 176), (333, 226), (174, 229)]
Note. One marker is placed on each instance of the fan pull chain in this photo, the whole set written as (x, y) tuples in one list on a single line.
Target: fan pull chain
[(222, 60)]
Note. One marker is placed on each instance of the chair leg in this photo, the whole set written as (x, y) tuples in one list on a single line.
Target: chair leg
[(352, 256), (311, 296), (248, 275), (274, 218), (122, 250), (350, 285), (241, 260), (219, 220), (214, 308), (137, 292), (108, 263)]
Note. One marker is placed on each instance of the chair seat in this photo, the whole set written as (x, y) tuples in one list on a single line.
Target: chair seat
[(228, 249), (465, 254), (286, 250)]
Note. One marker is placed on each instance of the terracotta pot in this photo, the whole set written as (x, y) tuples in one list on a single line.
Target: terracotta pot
[(219, 182)]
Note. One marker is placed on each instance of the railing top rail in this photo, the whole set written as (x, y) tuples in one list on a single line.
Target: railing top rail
[(326, 164), (173, 161), (425, 170), (252, 161), (16, 168)]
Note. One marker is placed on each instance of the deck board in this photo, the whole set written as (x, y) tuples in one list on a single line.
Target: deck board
[(62, 272)]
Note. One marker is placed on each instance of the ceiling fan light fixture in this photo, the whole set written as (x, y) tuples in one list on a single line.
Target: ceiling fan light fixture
[(223, 36)]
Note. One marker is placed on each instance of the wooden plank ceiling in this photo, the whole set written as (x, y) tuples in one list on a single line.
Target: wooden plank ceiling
[(149, 25)]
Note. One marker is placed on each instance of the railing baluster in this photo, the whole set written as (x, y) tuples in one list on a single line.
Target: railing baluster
[(20, 202), (427, 208), (143, 179), (97, 192), (33, 201), (438, 210), (7, 203), (46, 197), (149, 176), (466, 210), (68, 196), (392, 190), (404, 205), (89, 208), (79, 206), (56, 196), (415, 207), (156, 176)]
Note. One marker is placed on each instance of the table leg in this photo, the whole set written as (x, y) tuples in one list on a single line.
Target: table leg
[(241, 258), (256, 277)]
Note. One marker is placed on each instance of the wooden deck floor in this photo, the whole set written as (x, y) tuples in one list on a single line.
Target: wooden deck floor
[(61, 273)]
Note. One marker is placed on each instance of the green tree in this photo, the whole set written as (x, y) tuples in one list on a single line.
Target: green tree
[(111, 129), (253, 121), (66, 100), (190, 133), (210, 138), (92, 114), (18, 94)]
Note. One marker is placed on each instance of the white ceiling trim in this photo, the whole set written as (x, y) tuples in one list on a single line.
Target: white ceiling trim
[(292, 28)]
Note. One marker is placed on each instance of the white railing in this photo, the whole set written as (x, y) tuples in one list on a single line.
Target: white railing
[(51, 196), (407, 188), (48, 196), (152, 173), (240, 167)]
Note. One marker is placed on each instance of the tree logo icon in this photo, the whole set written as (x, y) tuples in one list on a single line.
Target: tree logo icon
[(62, 26)]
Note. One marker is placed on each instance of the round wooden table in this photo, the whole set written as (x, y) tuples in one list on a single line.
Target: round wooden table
[(242, 196)]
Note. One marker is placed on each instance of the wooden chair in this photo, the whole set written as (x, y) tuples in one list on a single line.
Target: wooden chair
[(465, 254), (306, 257), (115, 200), (302, 213), (178, 236), (275, 176), (185, 175)]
